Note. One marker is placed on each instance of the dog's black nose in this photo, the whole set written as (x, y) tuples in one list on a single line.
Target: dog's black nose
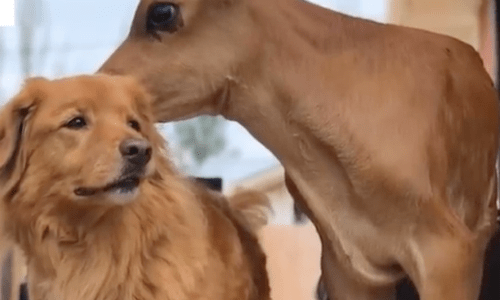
[(136, 151)]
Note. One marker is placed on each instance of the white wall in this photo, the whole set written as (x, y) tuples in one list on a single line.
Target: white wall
[(370, 9)]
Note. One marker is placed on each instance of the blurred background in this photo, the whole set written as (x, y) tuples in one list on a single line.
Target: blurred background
[(55, 38)]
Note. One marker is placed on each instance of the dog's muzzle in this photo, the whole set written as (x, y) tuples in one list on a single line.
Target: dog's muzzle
[(136, 154)]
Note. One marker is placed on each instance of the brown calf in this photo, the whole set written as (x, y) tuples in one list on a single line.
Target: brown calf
[(388, 134)]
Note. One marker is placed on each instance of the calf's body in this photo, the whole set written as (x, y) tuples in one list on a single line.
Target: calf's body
[(388, 135)]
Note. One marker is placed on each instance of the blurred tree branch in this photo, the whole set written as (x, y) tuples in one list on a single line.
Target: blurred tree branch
[(202, 137), (31, 15)]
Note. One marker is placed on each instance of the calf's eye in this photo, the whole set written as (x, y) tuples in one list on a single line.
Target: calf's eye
[(163, 16)]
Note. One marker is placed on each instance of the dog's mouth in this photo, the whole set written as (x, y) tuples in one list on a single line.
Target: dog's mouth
[(124, 185)]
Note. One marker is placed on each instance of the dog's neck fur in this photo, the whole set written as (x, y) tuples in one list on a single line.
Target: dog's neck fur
[(120, 241)]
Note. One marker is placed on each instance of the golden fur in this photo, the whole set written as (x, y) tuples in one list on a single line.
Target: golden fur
[(388, 135), (169, 239)]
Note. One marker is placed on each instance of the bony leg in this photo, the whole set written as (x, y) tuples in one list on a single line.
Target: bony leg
[(342, 283), (447, 268)]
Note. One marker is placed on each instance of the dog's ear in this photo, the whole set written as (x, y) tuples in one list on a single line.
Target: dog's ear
[(13, 119)]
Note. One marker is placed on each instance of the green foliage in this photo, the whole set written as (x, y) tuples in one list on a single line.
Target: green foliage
[(202, 137)]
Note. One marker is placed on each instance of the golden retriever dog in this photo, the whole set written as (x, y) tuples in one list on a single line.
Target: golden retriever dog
[(388, 135), (89, 195)]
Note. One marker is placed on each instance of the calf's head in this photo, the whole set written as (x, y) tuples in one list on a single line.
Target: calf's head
[(188, 53)]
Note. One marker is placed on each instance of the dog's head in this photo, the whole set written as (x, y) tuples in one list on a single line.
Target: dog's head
[(190, 54), (86, 139)]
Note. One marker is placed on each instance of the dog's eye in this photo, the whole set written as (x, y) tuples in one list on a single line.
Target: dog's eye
[(76, 123), (134, 124), (163, 17)]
